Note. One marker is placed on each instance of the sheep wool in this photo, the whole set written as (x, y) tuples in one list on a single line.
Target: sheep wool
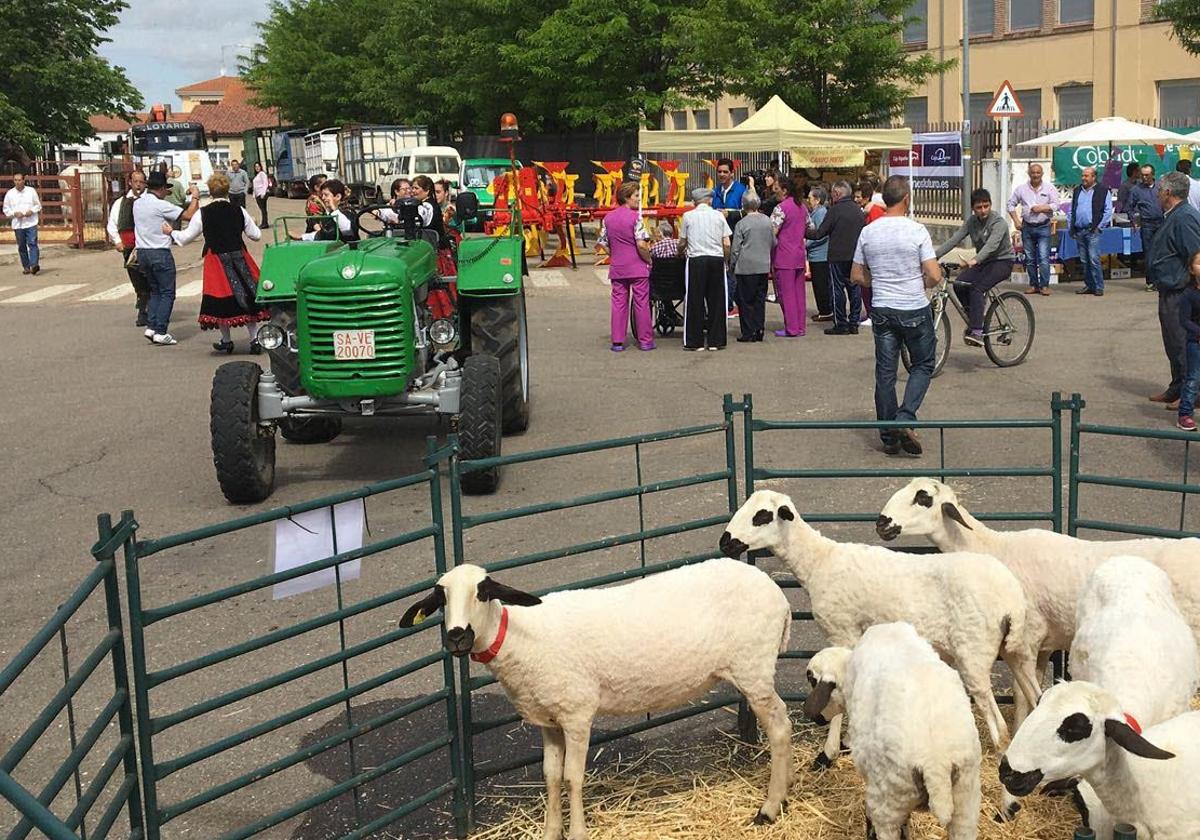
[(649, 645), (912, 734), (1147, 780)]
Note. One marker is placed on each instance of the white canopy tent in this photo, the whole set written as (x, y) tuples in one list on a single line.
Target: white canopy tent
[(1115, 131), (774, 127)]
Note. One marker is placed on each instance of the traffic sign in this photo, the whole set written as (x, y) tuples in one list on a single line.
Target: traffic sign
[(1005, 103)]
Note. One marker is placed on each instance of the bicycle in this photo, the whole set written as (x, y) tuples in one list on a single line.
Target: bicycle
[(1008, 324)]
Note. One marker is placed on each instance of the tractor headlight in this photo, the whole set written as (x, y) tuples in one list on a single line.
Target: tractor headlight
[(443, 331), (271, 337)]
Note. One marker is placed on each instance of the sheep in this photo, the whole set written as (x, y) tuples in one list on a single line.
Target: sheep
[(969, 607), (649, 645), (912, 734), (1147, 779), (1132, 641), (1051, 567)]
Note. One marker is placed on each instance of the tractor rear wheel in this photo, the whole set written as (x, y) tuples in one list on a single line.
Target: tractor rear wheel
[(479, 421), (243, 449), (499, 329)]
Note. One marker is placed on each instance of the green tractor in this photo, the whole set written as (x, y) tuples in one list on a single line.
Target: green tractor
[(370, 329)]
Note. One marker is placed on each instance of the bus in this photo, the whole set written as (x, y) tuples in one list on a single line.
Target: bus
[(180, 145)]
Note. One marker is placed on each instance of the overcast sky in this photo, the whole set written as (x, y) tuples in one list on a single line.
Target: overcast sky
[(165, 44)]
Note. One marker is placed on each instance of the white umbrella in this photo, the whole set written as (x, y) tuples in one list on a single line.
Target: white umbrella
[(1194, 137), (1115, 131)]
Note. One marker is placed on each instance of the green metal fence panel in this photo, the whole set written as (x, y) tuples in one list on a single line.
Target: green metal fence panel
[(1185, 486), (718, 445), (92, 705), (756, 430), (190, 757)]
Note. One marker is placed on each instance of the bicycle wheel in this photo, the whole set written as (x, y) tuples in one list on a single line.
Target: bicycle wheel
[(941, 332), (1008, 329)]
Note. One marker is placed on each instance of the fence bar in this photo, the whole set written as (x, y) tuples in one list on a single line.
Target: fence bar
[(43, 820), (1138, 530), (403, 811), (919, 472), (1137, 483), (147, 548), (156, 614), (1025, 516), (100, 781), (1128, 432), (1023, 423), (583, 448), (1056, 407), (125, 793)]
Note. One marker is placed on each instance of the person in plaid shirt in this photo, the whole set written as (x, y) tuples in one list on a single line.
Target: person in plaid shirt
[(667, 245)]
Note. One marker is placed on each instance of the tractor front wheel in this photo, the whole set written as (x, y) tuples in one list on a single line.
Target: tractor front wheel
[(479, 421), (243, 448), (499, 329)]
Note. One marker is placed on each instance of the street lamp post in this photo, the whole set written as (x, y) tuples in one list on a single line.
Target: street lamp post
[(966, 102)]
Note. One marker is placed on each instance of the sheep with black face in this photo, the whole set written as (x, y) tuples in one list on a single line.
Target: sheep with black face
[(1147, 779), (970, 608), (650, 645), (911, 731)]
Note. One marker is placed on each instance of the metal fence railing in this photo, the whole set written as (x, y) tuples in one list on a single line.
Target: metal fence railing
[(239, 687), (89, 718)]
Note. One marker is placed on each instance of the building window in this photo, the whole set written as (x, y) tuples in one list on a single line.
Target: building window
[(1031, 103), (916, 111), (679, 120), (219, 156), (1076, 11), (980, 102), (981, 17), (737, 116), (702, 119), (1074, 104), (915, 28), (1179, 102), (1024, 14)]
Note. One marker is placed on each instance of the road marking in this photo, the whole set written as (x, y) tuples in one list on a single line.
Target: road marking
[(47, 292), (6, 288), (115, 293), (192, 289), (546, 279)]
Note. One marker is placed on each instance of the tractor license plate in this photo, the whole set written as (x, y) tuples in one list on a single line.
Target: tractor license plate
[(350, 345)]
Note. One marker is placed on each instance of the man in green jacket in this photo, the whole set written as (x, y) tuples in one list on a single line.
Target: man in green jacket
[(992, 264), (1176, 242)]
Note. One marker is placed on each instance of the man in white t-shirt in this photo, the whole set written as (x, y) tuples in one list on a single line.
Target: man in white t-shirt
[(895, 259), (704, 237)]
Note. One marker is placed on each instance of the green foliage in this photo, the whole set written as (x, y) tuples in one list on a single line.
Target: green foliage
[(1184, 16), (837, 62), (51, 79), (456, 65)]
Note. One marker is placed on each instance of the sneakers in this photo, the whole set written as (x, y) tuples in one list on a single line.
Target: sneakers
[(733, 313), (26, 271), (1164, 397), (163, 339), (1188, 424), (841, 330), (617, 348), (975, 339), (149, 333), (1084, 291), (1032, 290), (34, 269), (820, 317), (1045, 291)]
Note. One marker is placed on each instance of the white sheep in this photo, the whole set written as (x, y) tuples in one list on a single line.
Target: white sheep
[(969, 607), (1052, 567), (1132, 641), (649, 645), (912, 734), (1081, 730)]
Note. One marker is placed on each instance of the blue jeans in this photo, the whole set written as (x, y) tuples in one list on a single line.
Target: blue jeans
[(1037, 253), (1089, 257), (846, 296), (158, 265), (27, 246), (914, 329), (1191, 382)]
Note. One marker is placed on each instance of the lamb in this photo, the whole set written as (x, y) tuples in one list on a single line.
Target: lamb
[(969, 607), (912, 734), (1053, 568), (649, 645), (1146, 779), (1132, 641)]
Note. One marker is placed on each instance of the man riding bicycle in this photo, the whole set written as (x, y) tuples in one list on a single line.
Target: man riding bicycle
[(992, 264)]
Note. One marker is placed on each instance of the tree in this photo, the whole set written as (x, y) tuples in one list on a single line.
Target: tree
[(1184, 16), (52, 79), (838, 62)]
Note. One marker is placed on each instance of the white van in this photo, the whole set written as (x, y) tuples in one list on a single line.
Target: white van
[(437, 162)]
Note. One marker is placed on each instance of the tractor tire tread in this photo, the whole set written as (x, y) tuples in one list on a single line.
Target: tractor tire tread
[(232, 422)]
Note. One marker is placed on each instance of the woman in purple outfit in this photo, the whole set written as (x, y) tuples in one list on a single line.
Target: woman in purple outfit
[(629, 268), (790, 219)]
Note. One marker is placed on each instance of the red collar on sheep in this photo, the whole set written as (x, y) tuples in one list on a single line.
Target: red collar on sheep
[(490, 654), (1130, 719)]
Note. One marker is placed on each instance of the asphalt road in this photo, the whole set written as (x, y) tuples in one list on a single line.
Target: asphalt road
[(97, 420)]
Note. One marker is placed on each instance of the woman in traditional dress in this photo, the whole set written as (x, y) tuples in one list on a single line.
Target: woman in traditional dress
[(430, 217), (230, 273)]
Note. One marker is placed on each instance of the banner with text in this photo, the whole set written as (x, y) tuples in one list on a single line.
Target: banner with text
[(936, 160), (1070, 161)]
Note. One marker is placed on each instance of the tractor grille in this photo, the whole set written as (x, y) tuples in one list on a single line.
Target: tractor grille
[(384, 308)]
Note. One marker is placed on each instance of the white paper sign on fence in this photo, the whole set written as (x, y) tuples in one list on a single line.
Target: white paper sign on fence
[(315, 535)]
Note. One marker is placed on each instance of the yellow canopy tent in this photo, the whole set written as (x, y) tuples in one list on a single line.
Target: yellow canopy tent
[(775, 127)]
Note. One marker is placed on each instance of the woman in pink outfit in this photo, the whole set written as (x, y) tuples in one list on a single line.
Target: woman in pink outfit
[(790, 219), (629, 268)]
